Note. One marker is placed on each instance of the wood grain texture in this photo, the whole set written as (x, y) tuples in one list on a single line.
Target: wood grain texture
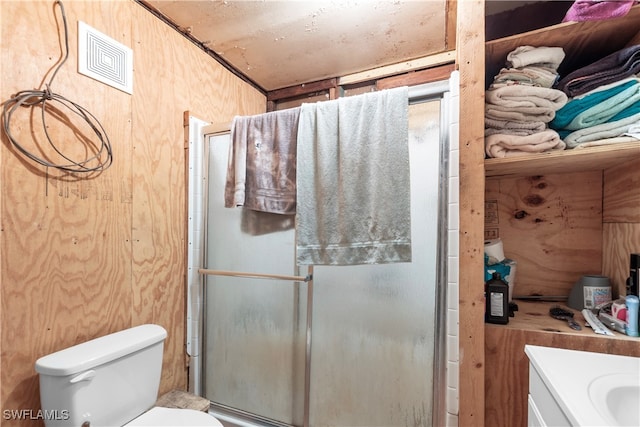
[(622, 192), (83, 257), (550, 225), (621, 217), (470, 60), (619, 241), (576, 160)]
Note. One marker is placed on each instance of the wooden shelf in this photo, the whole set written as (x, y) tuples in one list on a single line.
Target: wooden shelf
[(506, 365), (565, 161), (534, 316), (583, 42)]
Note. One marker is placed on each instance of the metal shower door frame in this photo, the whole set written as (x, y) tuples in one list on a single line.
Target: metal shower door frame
[(198, 134)]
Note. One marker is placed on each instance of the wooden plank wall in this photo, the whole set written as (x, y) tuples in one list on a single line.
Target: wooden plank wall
[(83, 257), (471, 63)]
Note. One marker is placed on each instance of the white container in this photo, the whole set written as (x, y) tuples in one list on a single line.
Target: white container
[(107, 381)]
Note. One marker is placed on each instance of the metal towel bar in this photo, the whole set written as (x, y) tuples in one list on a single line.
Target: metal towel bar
[(254, 275)]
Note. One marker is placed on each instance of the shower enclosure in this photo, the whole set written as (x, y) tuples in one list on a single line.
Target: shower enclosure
[(356, 345)]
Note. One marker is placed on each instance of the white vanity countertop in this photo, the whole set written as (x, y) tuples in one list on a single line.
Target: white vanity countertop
[(568, 374)]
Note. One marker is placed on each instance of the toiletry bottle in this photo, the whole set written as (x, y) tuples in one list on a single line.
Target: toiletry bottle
[(497, 300), (633, 282), (632, 302)]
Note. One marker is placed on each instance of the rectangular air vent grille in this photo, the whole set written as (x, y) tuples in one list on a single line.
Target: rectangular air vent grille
[(104, 59)]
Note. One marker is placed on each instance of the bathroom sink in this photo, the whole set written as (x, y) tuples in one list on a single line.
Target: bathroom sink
[(581, 388), (616, 397)]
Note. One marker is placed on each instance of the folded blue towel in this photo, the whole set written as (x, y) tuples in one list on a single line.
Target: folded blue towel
[(594, 102)]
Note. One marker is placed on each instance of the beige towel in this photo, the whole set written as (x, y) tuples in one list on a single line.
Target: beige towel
[(523, 103), (523, 56), (353, 180), (493, 126), (523, 96), (532, 76), (513, 145), (261, 174)]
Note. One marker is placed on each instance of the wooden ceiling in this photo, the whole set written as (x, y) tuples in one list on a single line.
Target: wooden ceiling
[(277, 44)]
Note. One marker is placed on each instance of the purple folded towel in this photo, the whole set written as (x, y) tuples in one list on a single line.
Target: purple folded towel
[(592, 10), (617, 66)]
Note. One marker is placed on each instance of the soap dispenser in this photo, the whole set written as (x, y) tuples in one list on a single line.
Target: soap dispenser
[(497, 300)]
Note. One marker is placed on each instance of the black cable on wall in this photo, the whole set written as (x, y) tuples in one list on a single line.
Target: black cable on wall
[(99, 153)]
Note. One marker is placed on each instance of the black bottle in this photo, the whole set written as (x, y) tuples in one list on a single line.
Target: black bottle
[(497, 301)]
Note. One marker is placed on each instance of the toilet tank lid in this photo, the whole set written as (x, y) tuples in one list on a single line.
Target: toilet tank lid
[(101, 350)]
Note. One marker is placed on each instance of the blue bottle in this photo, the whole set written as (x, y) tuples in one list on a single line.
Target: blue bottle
[(632, 302)]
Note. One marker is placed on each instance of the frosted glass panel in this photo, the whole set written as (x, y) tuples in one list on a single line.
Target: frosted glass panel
[(254, 358), (373, 326)]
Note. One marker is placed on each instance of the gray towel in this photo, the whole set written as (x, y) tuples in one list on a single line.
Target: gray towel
[(353, 202), (261, 174)]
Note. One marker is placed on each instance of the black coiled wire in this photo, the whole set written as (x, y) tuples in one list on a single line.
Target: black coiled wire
[(102, 155)]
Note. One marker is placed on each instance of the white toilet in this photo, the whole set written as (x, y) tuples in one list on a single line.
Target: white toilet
[(111, 381)]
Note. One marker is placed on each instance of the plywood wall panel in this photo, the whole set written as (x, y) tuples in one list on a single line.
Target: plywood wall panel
[(550, 225), (621, 201), (89, 256), (621, 217), (619, 241), (66, 239), (179, 79)]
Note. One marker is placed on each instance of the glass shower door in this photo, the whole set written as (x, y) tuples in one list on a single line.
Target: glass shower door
[(255, 328), (373, 338)]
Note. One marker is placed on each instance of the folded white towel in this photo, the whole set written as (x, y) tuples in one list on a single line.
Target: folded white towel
[(529, 55), (513, 145), (522, 114), (608, 141), (523, 96), (511, 127), (353, 180), (531, 75), (523, 103)]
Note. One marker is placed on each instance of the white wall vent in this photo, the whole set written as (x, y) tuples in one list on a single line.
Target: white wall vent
[(104, 59)]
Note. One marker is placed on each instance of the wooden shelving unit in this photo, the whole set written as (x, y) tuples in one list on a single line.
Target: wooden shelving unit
[(583, 43), (539, 208)]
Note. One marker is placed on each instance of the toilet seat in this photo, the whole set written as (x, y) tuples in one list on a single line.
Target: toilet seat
[(173, 417)]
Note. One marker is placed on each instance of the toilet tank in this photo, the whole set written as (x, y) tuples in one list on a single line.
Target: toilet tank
[(107, 381)]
